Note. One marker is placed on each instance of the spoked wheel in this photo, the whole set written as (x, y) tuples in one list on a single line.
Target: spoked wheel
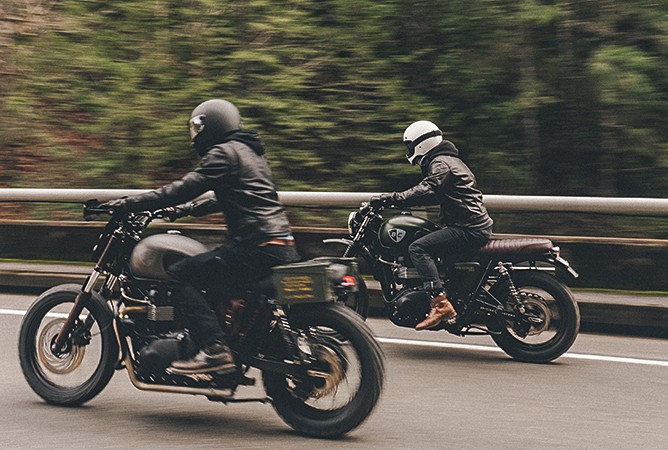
[(549, 323), (85, 363), (341, 388)]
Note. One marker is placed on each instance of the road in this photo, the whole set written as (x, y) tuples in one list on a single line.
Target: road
[(441, 392)]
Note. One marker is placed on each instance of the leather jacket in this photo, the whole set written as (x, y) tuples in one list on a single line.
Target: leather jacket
[(238, 174), (449, 183)]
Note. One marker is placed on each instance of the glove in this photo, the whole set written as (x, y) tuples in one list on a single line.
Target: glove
[(120, 204), (176, 212), (382, 200)]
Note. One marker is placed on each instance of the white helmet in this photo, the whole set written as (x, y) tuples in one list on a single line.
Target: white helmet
[(420, 138)]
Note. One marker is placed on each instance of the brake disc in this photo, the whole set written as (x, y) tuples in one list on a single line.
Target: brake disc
[(61, 364)]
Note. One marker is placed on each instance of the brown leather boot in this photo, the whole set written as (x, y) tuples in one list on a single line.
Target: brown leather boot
[(215, 357), (441, 311)]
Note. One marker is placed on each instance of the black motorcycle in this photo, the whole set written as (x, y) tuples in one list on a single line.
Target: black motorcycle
[(507, 289), (320, 364)]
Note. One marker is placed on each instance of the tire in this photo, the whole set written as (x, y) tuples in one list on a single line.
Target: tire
[(551, 300), (84, 369), (332, 405)]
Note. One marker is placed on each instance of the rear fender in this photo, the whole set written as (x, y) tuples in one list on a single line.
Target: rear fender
[(552, 258)]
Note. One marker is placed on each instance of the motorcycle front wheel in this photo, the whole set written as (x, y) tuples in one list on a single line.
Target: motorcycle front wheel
[(555, 314), (340, 390), (86, 365)]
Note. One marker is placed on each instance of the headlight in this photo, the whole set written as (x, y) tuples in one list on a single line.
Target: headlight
[(352, 225)]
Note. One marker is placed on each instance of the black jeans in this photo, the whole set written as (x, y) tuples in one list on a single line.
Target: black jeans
[(226, 269), (446, 242)]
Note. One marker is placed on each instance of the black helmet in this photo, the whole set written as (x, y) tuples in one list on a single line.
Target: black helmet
[(211, 122)]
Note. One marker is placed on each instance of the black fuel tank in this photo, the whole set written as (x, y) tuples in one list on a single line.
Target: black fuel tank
[(397, 233)]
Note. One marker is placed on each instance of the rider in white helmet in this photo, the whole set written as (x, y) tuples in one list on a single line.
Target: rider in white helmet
[(448, 182)]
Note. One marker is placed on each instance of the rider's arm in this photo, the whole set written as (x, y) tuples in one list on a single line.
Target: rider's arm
[(216, 164), (425, 192)]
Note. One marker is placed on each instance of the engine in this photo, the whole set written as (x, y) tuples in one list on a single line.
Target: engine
[(409, 307)]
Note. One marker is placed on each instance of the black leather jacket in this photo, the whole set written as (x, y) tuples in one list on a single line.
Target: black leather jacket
[(448, 182), (237, 172)]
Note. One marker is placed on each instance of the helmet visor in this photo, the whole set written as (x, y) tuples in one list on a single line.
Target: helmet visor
[(410, 149), (196, 125)]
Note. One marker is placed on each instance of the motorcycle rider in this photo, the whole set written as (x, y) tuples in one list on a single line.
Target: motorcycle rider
[(448, 182), (259, 235)]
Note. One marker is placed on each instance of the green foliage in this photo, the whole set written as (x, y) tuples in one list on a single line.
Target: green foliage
[(547, 97)]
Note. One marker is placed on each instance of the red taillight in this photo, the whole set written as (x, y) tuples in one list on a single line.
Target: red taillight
[(348, 281)]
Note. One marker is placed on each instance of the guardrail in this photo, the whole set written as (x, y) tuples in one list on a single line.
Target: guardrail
[(655, 207)]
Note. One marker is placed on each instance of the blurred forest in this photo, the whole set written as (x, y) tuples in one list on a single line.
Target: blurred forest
[(543, 97)]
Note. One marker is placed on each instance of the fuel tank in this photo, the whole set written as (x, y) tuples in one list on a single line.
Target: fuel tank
[(153, 255), (398, 232)]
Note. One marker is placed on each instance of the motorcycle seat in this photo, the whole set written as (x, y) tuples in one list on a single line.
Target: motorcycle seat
[(516, 247)]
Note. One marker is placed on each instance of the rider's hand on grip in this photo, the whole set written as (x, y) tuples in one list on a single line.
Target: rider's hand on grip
[(118, 205), (382, 201), (176, 212)]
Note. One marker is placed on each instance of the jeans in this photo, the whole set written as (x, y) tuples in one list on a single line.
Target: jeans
[(227, 269), (446, 242)]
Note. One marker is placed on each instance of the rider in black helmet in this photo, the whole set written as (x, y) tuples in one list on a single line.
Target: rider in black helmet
[(259, 234)]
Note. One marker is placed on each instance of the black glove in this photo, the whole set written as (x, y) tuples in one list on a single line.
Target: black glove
[(176, 212), (120, 204), (382, 200)]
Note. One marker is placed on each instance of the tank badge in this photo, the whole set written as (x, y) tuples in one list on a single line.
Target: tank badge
[(396, 234)]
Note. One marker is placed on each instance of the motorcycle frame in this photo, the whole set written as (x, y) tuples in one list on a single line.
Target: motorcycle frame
[(131, 232), (475, 301)]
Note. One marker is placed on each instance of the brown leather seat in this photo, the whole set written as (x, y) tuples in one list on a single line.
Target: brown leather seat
[(516, 247)]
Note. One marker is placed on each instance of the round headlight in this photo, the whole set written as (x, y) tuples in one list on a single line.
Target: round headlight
[(352, 228)]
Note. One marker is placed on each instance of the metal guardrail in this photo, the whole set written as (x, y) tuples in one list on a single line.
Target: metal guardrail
[(655, 207)]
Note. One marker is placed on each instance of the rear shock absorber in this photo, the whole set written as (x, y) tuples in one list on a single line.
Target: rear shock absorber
[(514, 294)]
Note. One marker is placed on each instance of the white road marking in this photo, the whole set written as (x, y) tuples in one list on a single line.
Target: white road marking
[(477, 348), (484, 348), (18, 312)]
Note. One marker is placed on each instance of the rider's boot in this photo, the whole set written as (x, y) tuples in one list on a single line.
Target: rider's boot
[(215, 357), (441, 311)]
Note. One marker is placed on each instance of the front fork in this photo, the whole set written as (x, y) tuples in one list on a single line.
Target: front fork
[(58, 347)]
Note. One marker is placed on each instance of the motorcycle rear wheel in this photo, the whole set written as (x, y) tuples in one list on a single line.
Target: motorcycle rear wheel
[(550, 299), (342, 390), (87, 364)]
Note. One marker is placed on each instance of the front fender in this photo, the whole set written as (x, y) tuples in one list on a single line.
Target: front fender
[(342, 241), (74, 289)]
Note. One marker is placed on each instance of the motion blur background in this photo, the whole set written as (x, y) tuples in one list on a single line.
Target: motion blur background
[(542, 97)]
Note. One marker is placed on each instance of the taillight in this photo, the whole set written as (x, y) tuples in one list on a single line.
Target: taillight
[(348, 281)]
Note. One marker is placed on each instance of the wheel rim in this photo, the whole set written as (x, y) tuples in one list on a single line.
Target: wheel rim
[(330, 378), (337, 380), (546, 324), (78, 362), (63, 363)]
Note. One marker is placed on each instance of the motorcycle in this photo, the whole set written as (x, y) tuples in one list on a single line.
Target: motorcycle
[(322, 369), (507, 289)]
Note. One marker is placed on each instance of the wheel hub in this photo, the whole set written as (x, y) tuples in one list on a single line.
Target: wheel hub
[(538, 313), (332, 377), (64, 362)]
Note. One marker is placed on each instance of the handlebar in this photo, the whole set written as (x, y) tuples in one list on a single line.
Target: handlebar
[(93, 209)]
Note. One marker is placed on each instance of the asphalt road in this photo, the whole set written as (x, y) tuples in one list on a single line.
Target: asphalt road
[(441, 392)]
